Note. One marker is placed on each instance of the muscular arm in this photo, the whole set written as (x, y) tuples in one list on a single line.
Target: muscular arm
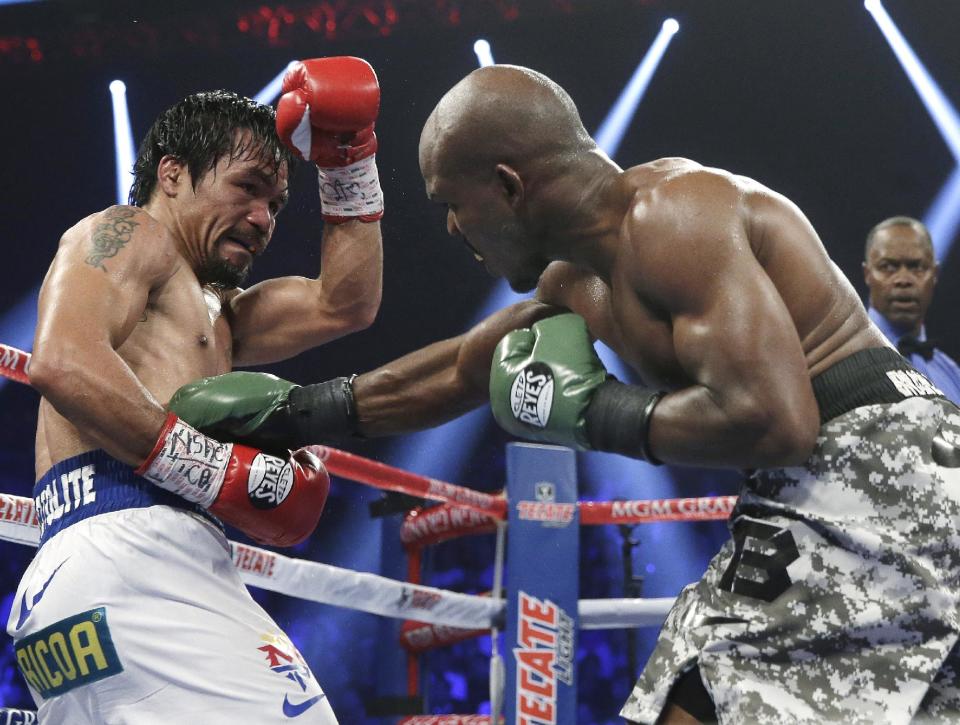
[(441, 381), (752, 405), (279, 318), (94, 294)]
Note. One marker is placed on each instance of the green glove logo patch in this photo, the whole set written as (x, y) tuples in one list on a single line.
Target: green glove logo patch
[(270, 481), (531, 395)]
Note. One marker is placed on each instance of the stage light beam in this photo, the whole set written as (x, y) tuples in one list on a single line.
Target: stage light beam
[(483, 52), (268, 94), (942, 112), (122, 140), (17, 324), (614, 126), (943, 216)]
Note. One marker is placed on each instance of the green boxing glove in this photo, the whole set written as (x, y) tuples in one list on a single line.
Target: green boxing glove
[(547, 384), (542, 381), (267, 412)]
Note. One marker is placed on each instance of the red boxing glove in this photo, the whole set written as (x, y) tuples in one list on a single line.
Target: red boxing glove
[(274, 501), (326, 114), (327, 110)]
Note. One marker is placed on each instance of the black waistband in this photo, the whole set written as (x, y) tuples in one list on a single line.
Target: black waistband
[(869, 377)]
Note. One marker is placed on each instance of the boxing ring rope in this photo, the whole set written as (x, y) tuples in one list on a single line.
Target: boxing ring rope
[(327, 584), (423, 527), (13, 364), (446, 720)]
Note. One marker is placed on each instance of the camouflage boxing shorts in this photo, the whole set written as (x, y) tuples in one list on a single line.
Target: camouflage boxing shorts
[(837, 598)]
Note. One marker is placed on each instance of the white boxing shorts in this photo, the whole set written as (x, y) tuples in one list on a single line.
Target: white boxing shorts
[(132, 612)]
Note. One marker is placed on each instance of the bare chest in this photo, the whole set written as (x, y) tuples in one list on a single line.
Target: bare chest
[(182, 336)]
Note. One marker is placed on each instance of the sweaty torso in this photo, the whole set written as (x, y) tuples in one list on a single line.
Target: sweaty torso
[(828, 316), (181, 336)]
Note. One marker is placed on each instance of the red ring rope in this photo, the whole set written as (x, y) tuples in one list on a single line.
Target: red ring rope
[(13, 363), (380, 475), (428, 526), (447, 720), (706, 508)]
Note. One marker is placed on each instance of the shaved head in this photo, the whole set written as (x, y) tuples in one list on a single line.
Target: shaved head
[(499, 150), (501, 114)]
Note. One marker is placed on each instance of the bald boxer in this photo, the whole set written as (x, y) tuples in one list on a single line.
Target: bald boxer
[(837, 598), (132, 611)]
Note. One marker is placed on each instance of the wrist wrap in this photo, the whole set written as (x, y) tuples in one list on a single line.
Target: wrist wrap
[(351, 192), (187, 463), (322, 411), (618, 419)]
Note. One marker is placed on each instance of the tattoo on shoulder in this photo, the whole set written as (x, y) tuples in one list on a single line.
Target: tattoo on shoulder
[(111, 235)]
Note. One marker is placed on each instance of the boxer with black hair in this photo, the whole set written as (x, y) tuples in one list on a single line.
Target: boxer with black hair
[(132, 610)]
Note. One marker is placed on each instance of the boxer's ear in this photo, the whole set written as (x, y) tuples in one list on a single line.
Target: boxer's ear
[(511, 184), (171, 174)]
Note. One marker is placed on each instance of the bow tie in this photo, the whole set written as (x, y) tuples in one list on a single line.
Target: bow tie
[(909, 345)]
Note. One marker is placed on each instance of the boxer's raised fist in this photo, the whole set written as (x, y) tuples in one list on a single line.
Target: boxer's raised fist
[(327, 110), (326, 114)]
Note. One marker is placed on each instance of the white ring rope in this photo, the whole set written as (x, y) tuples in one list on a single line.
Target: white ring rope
[(371, 593)]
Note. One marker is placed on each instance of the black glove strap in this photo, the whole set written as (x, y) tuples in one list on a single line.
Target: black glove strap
[(323, 411), (618, 419)]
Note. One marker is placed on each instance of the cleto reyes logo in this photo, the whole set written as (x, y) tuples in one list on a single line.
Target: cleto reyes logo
[(531, 395), (269, 482)]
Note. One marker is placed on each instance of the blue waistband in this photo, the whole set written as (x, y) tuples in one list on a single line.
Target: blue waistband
[(95, 483)]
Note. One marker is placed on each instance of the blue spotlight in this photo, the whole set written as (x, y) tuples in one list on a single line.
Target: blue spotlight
[(122, 140), (615, 125), (944, 115), (943, 216), (418, 451), (269, 92), (18, 323), (484, 54)]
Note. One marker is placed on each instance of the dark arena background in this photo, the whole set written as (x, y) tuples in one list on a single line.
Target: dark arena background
[(847, 109)]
